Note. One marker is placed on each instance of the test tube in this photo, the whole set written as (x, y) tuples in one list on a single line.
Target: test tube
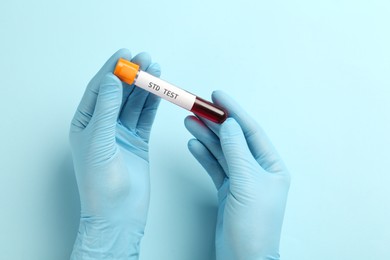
[(131, 74)]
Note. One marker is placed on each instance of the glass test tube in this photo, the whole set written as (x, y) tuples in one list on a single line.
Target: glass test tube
[(131, 74)]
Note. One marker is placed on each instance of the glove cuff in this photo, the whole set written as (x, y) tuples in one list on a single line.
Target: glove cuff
[(101, 240)]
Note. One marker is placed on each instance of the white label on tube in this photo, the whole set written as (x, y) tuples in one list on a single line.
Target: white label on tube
[(165, 90)]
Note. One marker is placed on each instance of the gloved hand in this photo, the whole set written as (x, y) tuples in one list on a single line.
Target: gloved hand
[(251, 180), (109, 138)]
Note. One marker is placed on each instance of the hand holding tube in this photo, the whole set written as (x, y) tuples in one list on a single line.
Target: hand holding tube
[(109, 137), (131, 74), (251, 180)]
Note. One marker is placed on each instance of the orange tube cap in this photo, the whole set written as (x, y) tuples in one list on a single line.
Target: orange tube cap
[(126, 71)]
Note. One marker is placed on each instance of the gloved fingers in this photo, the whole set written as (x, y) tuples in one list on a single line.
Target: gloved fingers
[(132, 108), (208, 161), (143, 59), (106, 112), (152, 102), (87, 104), (259, 144), (135, 103), (147, 116), (154, 69), (214, 127), (235, 148), (201, 132)]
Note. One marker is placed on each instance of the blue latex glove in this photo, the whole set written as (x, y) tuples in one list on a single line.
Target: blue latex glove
[(251, 180), (109, 138)]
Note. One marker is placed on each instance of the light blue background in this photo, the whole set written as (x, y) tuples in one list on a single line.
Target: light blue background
[(315, 74)]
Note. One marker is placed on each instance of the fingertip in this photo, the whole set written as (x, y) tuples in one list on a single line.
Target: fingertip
[(143, 59), (154, 69), (195, 147), (123, 53), (192, 142), (223, 99), (186, 121), (211, 125), (109, 66), (218, 95), (190, 121), (195, 126)]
